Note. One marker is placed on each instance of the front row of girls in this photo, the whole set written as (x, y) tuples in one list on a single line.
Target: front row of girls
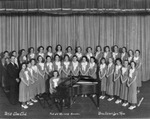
[(119, 81)]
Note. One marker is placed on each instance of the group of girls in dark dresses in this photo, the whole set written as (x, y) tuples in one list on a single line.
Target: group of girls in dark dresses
[(118, 70)]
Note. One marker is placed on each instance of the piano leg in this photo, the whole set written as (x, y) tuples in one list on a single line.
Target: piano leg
[(61, 105), (68, 102), (97, 100)]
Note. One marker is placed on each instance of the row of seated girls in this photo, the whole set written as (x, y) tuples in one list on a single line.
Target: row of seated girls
[(118, 71)]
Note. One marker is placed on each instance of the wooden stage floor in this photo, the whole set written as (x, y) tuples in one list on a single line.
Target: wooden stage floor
[(82, 108)]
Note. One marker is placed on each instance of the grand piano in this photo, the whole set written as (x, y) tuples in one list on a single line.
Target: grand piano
[(75, 86)]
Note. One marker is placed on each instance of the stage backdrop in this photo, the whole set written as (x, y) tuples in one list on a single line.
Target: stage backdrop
[(132, 31)]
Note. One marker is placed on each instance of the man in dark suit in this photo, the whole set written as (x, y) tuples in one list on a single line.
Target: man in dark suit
[(13, 74)]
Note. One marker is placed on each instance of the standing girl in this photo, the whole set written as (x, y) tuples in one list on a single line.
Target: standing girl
[(137, 59), (59, 51), (69, 52), (78, 53), (49, 51), (31, 54), (41, 74), (124, 54), (32, 87), (98, 53), (22, 57), (75, 67), (66, 67), (117, 76), (110, 78), (102, 76), (24, 87), (132, 84), (57, 64), (115, 53), (35, 76), (84, 66), (48, 71), (107, 53), (41, 52), (124, 79), (92, 68), (89, 53), (130, 55)]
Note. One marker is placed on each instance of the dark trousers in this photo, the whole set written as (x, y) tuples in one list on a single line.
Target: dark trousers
[(47, 83), (14, 92)]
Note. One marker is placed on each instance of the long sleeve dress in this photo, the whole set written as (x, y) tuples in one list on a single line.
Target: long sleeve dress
[(124, 87), (23, 87), (132, 95), (110, 78), (102, 76), (117, 76), (41, 77)]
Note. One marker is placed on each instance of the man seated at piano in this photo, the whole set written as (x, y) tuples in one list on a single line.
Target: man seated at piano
[(54, 82)]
